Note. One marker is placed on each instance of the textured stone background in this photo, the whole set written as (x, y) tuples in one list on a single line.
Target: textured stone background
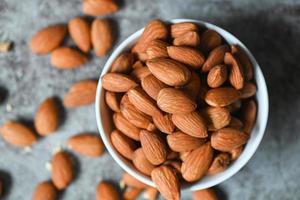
[(271, 30)]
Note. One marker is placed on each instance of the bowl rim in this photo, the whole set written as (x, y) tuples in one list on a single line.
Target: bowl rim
[(244, 157)]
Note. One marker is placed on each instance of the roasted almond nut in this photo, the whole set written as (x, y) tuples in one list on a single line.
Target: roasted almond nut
[(164, 123), (169, 71), (167, 182), (131, 193), (67, 58), (106, 191), (219, 164), (112, 100), (102, 36), (154, 148), (46, 118), (186, 55), (215, 57), (196, 163), (220, 97), (175, 164), (175, 101), (151, 193), (236, 74), (86, 144), (152, 86), (124, 145), (17, 134), (205, 194), (227, 139), (117, 82), (191, 123), (216, 117), (235, 106), (80, 94), (235, 153), (48, 39), (235, 123), (157, 49), (138, 64), (190, 38), (62, 170), (180, 29), (45, 191), (80, 32), (248, 90), (193, 87), (181, 142), (126, 127), (141, 162), (99, 7), (123, 63), (183, 155), (139, 73), (217, 76), (249, 115), (129, 180), (210, 39)]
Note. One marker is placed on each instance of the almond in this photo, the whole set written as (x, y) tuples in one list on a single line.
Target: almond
[(227, 139), (131, 193), (235, 106), (164, 123), (86, 144), (62, 170), (80, 32), (183, 155), (138, 64), (106, 191), (99, 7), (186, 55), (205, 194), (44, 191), (235, 153), (123, 63), (196, 163), (235, 123), (220, 97), (112, 100), (193, 87), (249, 115), (176, 165), (236, 74), (124, 145), (67, 58), (190, 38), (80, 94), (132, 182), (248, 90), (141, 162), (217, 76), (210, 39), (181, 142), (47, 117), (102, 36), (215, 57), (191, 123), (139, 73), (151, 193), (116, 82), (126, 127), (219, 164), (152, 86), (175, 101), (48, 39), (17, 134), (216, 117), (167, 182), (180, 29), (169, 71), (157, 49), (154, 148)]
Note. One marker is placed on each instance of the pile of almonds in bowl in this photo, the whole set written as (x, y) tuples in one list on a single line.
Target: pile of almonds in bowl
[(183, 104)]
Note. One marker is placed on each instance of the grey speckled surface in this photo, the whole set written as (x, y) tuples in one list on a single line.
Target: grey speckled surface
[(271, 30)]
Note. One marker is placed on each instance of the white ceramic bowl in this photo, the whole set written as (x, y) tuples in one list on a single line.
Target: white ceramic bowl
[(104, 119)]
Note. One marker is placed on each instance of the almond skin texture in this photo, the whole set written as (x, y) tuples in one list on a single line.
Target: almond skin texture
[(216, 117), (236, 74), (219, 164), (44, 191), (47, 39), (187, 55), (67, 58), (217, 76), (80, 32), (220, 97), (248, 90), (141, 162), (227, 139), (139, 73), (102, 36), (17, 134), (154, 148), (46, 119), (131, 193), (99, 7), (80, 94), (249, 116), (206, 194), (175, 101), (215, 57), (210, 39), (112, 100), (235, 123), (151, 193), (190, 38), (180, 29), (235, 153), (181, 142), (157, 49), (164, 123), (126, 127), (169, 71), (117, 82), (167, 182), (192, 124), (124, 145), (123, 64), (86, 144), (132, 182), (62, 170), (196, 164), (106, 191), (193, 87), (152, 86)]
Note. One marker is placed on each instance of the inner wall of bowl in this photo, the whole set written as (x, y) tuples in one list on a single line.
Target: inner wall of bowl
[(105, 124)]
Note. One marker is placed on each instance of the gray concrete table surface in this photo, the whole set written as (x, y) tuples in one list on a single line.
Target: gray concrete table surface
[(271, 30)]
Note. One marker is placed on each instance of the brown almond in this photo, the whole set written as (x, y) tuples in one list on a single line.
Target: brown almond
[(227, 139), (126, 127), (181, 142), (219, 97), (99, 7), (138, 64), (235, 123), (175, 101), (219, 164), (157, 49), (169, 71), (164, 123), (175, 164), (17, 134), (235, 106), (217, 76), (215, 57), (151, 193), (196, 163), (139, 73), (67, 58), (132, 182), (112, 100), (180, 29), (248, 90), (124, 145), (191, 123), (183, 155), (190, 39), (187, 55), (249, 115), (205, 194), (131, 193), (141, 162), (216, 117), (152, 86), (193, 87), (167, 182), (45, 191), (210, 39), (236, 74), (86, 144), (235, 153), (62, 170), (102, 36), (80, 94), (80, 32), (123, 63), (47, 39), (106, 191), (117, 82)]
